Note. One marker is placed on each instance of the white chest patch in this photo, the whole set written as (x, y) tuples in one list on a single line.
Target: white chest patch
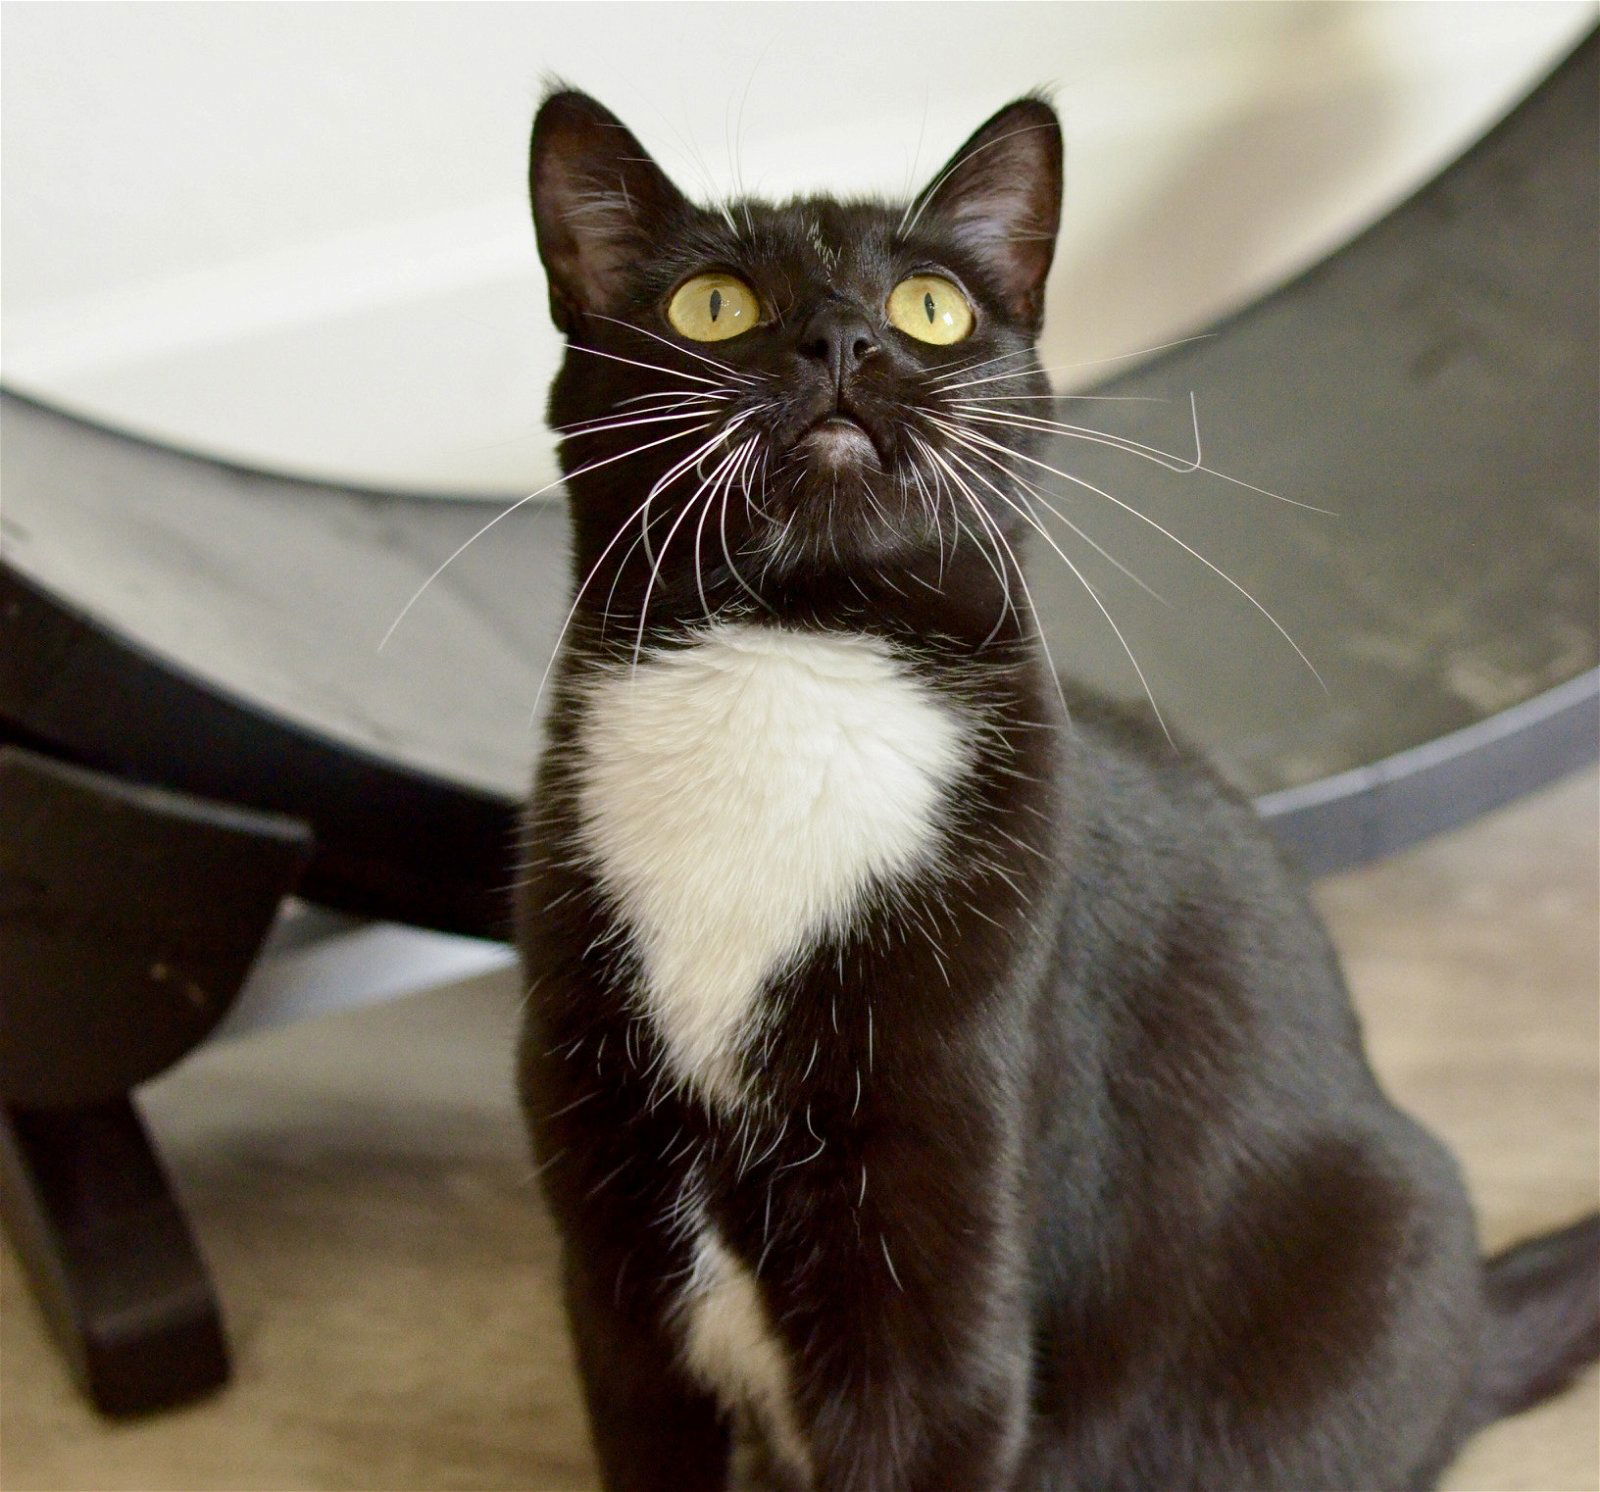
[(738, 798)]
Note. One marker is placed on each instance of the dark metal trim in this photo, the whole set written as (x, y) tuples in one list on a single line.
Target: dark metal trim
[(1377, 810)]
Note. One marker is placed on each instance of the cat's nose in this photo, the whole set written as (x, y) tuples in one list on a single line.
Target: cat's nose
[(839, 338)]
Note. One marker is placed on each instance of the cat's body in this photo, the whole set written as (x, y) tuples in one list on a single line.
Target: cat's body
[(937, 1079)]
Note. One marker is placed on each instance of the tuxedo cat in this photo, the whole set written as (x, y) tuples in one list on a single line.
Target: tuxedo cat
[(936, 1077)]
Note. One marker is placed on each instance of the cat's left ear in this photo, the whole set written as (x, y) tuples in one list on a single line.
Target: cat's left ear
[(1000, 196), (599, 202)]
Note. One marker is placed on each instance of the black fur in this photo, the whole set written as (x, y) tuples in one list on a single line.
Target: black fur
[(1139, 1216)]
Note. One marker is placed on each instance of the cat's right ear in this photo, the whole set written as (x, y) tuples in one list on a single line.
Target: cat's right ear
[(598, 201)]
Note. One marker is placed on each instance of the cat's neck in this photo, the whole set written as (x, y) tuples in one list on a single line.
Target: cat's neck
[(955, 612)]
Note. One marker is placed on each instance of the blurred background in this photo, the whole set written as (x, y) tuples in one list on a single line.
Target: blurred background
[(296, 236)]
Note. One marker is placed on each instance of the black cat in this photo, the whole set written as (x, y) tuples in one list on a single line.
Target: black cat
[(937, 1079)]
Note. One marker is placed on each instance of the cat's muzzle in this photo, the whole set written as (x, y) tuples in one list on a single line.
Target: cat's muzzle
[(837, 443)]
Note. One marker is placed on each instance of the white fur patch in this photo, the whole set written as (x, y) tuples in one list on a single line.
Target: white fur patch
[(739, 797), (730, 1346), (824, 251)]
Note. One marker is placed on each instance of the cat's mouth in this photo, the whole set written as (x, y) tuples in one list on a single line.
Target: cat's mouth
[(837, 443)]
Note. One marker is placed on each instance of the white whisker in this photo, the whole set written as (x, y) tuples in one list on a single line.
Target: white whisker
[(722, 534), (627, 422), (744, 452), (1089, 398), (548, 487), (973, 365), (997, 565), (634, 362), (1061, 517), (1169, 460), (681, 395), (973, 411), (1044, 533), (724, 368), (577, 600), (1092, 362), (694, 458), (655, 567), (1143, 518), (623, 528), (1022, 579)]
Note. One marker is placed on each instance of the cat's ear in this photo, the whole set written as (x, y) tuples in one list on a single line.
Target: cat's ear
[(1000, 197), (598, 201)]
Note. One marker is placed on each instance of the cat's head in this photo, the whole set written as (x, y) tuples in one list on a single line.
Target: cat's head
[(760, 399)]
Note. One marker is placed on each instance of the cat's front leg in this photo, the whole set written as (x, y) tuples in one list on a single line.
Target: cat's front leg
[(887, 1443), (924, 1431), (909, 1327), (654, 1430)]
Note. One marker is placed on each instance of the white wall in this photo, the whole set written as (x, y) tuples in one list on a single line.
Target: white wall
[(297, 236)]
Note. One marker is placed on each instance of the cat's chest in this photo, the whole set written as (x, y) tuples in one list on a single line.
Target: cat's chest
[(738, 799)]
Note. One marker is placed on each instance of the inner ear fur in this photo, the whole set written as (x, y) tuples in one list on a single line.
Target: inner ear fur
[(1000, 195), (598, 199)]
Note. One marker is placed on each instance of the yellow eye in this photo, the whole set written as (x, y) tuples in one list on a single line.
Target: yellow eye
[(712, 308), (930, 309)]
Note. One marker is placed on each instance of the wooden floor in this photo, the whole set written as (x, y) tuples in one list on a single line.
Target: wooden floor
[(360, 1186)]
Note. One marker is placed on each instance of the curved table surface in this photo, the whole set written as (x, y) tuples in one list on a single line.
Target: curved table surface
[(1432, 386)]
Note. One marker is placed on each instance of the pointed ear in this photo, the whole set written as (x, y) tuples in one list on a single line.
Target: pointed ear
[(1000, 195), (598, 199)]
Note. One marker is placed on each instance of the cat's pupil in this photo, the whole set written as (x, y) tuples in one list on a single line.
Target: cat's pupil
[(927, 305), (716, 304)]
